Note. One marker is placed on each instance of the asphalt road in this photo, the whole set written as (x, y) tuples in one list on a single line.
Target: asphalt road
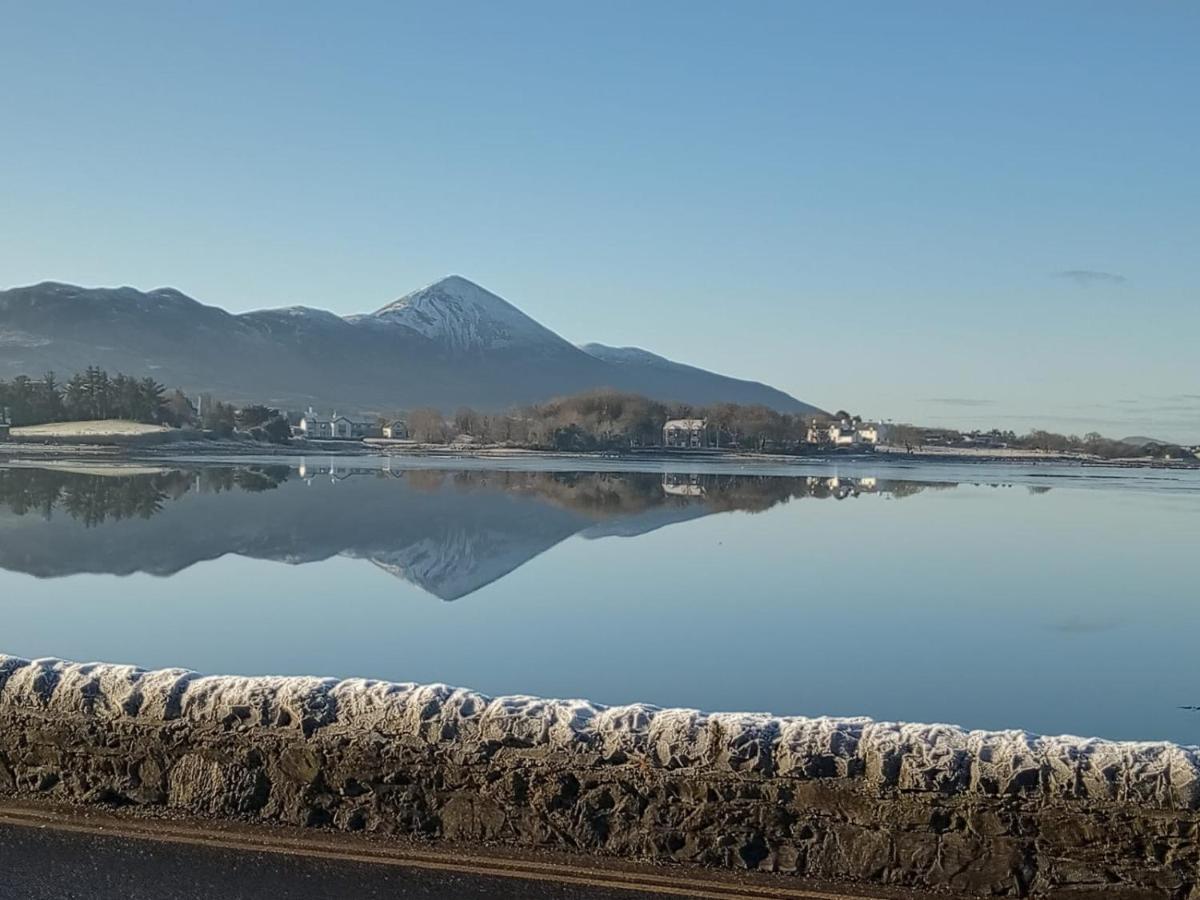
[(47, 864), (58, 852)]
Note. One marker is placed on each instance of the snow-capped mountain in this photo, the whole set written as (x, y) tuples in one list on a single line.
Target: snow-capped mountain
[(449, 344), (465, 318)]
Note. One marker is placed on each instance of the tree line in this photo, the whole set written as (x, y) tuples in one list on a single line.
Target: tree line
[(913, 437), (89, 395), (1095, 444), (610, 420), (95, 395)]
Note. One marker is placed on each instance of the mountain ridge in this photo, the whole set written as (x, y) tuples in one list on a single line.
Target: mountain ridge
[(451, 343)]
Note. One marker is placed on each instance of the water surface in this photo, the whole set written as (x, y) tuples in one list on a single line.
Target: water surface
[(1055, 599)]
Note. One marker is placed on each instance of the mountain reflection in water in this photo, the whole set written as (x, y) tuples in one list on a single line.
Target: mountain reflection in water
[(449, 532)]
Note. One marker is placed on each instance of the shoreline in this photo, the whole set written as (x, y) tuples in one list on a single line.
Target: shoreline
[(140, 450)]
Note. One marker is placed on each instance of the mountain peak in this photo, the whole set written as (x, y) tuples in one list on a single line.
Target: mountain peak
[(464, 317), (450, 288), (454, 282)]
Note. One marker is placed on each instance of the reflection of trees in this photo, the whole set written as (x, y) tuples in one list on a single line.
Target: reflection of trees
[(248, 478), (93, 499), (260, 478), (97, 499), (592, 493), (606, 494), (598, 494), (902, 489)]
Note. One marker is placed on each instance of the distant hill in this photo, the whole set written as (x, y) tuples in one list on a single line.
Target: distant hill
[(450, 344), (673, 380)]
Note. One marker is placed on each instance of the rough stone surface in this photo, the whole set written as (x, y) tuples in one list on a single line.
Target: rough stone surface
[(984, 813)]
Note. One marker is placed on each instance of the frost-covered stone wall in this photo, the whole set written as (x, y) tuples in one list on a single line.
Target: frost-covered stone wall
[(923, 805)]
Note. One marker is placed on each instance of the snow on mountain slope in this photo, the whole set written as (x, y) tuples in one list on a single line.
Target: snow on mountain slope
[(456, 562), (465, 318)]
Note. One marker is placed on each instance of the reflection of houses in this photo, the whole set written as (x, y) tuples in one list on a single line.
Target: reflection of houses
[(675, 485), (847, 433), (396, 430), (335, 428), (334, 469), (689, 433), (840, 487)]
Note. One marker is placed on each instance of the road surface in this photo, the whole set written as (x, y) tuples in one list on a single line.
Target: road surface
[(44, 864), (55, 853)]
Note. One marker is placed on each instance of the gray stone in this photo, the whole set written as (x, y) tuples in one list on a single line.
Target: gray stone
[(980, 813)]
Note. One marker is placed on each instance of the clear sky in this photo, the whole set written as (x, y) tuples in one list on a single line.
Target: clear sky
[(960, 213)]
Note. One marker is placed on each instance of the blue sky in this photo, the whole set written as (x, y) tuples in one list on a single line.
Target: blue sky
[(869, 205)]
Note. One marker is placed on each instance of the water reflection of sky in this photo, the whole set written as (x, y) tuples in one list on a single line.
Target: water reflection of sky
[(1066, 610)]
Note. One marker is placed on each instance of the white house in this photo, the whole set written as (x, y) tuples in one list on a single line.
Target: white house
[(396, 430), (345, 428), (336, 428), (689, 433), (314, 426), (849, 432), (868, 433)]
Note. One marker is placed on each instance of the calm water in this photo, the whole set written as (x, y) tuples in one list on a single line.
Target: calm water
[(1052, 599)]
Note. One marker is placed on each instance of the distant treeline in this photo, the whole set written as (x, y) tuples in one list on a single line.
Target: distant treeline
[(92, 394), (911, 437), (605, 419), (1096, 444)]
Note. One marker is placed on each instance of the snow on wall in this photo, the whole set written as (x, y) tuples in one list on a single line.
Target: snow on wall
[(875, 755)]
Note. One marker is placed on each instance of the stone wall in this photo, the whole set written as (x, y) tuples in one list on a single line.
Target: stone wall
[(981, 813)]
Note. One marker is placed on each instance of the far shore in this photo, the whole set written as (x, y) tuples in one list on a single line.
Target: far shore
[(164, 445)]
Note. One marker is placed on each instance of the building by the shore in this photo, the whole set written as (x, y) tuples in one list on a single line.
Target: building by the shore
[(396, 430), (336, 427), (685, 433), (847, 433)]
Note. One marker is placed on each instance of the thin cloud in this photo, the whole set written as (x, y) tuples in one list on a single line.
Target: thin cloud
[(1079, 420), (1089, 277), (1078, 624), (961, 401)]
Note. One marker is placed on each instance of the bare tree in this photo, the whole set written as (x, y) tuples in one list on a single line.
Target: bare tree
[(427, 426)]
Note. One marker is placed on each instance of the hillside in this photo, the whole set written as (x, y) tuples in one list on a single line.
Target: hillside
[(449, 344)]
